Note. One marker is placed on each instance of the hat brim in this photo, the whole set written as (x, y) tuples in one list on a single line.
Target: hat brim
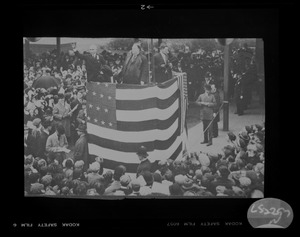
[(142, 154), (187, 188), (244, 138)]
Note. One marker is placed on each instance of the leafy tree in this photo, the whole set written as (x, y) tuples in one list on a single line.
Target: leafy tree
[(120, 43)]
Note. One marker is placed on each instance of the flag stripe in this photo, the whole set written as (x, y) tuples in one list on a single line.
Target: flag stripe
[(136, 86), (147, 103), (147, 114), (138, 137), (133, 146), (149, 124), (131, 157), (145, 93)]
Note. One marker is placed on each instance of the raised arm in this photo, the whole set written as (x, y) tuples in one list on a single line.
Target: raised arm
[(75, 52)]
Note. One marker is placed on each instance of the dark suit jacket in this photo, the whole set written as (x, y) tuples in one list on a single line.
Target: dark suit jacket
[(218, 104), (29, 148), (160, 72), (135, 71), (75, 113), (42, 145), (146, 165), (81, 150), (93, 66), (143, 166)]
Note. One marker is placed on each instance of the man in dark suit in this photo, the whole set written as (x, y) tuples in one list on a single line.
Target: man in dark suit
[(207, 102), (94, 64), (239, 95), (145, 164), (81, 146), (45, 132), (135, 69), (76, 105), (216, 115), (28, 141), (162, 67)]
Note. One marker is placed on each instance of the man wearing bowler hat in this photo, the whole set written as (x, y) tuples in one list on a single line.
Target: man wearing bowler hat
[(145, 164), (81, 146)]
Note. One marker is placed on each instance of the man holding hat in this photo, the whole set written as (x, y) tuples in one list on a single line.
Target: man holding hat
[(81, 146)]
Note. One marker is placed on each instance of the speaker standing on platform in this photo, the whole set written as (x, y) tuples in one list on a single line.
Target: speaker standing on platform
[(96, 69), (135, 69), (207, 102)]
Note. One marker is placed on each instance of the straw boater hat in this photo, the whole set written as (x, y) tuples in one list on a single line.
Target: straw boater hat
[(142, 151)]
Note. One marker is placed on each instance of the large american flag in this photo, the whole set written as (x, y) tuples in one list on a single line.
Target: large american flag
[(123, 117)]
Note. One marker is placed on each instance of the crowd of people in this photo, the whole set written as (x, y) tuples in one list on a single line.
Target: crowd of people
[(236, 172), (204, 66), (55, 120)]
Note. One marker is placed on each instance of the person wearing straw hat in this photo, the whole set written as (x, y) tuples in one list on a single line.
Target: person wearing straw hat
[(145, 164), (207, 102), (81, 146)]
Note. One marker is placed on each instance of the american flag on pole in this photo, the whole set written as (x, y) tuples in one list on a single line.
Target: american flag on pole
[(182, 79), (123, 117)]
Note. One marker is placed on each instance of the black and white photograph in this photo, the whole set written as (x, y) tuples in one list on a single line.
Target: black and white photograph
[(144, 117), (151, 116)]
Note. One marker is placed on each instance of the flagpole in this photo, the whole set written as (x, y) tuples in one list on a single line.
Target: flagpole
[(152, 61), (149, 63)]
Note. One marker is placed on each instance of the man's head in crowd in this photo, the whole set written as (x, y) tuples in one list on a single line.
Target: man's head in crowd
[(164, 48), (207, 89), (93, 50), (60, 129), (142, 153), (61, 98), (135, 49)]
